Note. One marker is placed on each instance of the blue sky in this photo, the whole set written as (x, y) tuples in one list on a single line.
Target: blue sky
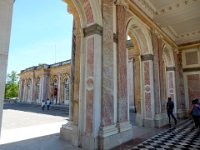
[(41, 33)]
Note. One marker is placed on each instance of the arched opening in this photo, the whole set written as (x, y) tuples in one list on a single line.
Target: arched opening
[(140, 59), (66, 91), (38, 90), (168, 72)]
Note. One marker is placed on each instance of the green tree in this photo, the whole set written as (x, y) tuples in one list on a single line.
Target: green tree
[(11, 89)]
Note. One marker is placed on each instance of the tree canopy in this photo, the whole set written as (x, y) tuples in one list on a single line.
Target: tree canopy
[(11, 89)]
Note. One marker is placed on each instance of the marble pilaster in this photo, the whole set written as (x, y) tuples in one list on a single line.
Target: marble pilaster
[(59, 89), (180, 91), (43, 87), (33, 89), (148, 94), (122, 56), (24, 90), (171, 87)]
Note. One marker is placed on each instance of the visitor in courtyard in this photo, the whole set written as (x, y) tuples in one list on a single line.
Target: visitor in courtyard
[(195, 112), (43, 105), (48, 104), (170, 108)]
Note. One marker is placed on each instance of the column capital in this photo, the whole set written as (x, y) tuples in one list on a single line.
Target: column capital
[(93, 29), (121, 3), (147, 57), (171, 68)]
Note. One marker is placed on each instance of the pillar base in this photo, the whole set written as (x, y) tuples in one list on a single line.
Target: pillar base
[(112, 136), (139, 119), (148, 122), (182, 113), (161, 120), (69, 132)]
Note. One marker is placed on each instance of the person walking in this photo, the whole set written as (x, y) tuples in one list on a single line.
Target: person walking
[(170, 108), (43, 105), (195, 112), (48, 104)]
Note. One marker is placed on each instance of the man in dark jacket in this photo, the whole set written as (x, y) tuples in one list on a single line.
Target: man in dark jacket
[(170, 108), (195, 111)]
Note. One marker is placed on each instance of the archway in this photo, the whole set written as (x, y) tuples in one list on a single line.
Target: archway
[(168, 82), (142, 56)]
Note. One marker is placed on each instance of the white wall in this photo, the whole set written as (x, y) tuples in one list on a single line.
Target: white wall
[(6, 7)]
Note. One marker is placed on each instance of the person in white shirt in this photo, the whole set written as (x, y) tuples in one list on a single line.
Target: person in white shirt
[(43, 105), (48, 104)]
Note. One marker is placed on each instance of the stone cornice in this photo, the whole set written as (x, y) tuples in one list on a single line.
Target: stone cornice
[(93, 29), (191, 69), (189, 45), (147, 57), (170, 68)]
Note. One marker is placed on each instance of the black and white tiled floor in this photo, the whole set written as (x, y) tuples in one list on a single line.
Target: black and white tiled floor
[(183, 137)]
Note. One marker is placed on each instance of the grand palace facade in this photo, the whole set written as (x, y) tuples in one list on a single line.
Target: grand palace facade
[(44, 82), (107, 77)]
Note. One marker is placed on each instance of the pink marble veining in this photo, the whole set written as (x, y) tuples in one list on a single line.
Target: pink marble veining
[(121, 64), (171, 80), (89, 84), (88, 11), (147, 93), (193, 86), (107, 109)]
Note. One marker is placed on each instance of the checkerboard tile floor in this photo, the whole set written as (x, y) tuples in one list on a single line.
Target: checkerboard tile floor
[(183, 137)]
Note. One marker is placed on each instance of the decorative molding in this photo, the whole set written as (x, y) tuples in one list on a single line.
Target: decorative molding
[(121, 3), (190, 45), (174, 6), (147, 57), (147, 6), (189, 34), (108, 131), (170, 31), (194, 69), (90, 83), (170, 68), (93, 29)]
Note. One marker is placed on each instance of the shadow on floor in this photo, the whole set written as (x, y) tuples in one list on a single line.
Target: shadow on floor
[(49, 142), (35, 108)]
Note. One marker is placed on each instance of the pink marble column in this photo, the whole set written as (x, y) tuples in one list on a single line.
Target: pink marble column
[(107, 111), (180, 92), (147, 90), (121, 65), (89, 85), (157, 51), (171, 85)]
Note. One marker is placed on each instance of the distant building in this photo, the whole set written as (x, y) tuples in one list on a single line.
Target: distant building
[(45, 81)]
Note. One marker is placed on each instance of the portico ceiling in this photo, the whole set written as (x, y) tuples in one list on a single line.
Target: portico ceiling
[(179, 19)]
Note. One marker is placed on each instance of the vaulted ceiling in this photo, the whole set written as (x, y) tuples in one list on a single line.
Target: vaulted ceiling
[(179, 19)]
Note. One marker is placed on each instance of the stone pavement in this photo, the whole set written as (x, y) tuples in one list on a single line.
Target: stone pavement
[(27, 127)]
